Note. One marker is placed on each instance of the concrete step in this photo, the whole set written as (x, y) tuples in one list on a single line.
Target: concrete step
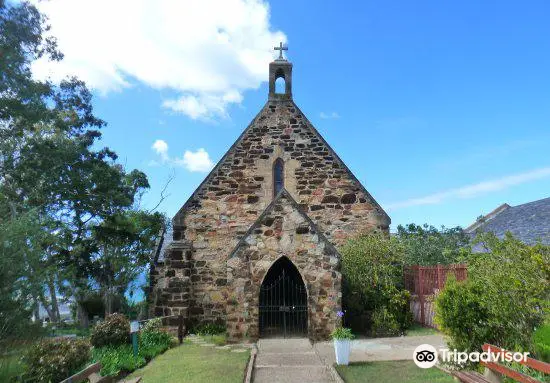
[(292, 345), (286, 359), (294, 374)]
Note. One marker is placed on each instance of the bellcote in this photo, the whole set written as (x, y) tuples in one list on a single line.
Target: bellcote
[(280, 68)]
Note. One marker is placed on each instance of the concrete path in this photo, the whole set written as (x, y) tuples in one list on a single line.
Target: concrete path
[(289, 361), (376, 349)]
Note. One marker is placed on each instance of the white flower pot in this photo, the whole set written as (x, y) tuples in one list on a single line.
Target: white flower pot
[(342, 349)]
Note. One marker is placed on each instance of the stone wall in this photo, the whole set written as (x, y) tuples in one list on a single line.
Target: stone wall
[(170, 282), (241, 186), (283, 231)]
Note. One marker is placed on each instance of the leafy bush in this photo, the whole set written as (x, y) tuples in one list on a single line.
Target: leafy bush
[(541, 343), (503, 300), (372, 273), (53, 360), (153, 340), (384, 323), (209, 329), (117, 359), (113, 331), (154, 324)]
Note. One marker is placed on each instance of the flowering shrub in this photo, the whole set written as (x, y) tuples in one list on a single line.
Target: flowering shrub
[(113, 331), (341, 333), (53, 360), (153, 340)]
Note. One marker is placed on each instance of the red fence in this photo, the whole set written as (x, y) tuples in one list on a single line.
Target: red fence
[(424, 282)]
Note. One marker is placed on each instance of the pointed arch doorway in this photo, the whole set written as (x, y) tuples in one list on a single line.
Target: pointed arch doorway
[(283, 302)]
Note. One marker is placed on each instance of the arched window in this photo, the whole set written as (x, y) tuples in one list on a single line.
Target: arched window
[(278, 176), (280, 86)]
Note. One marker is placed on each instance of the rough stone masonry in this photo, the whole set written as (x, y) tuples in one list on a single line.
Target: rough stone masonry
[(224, 239)]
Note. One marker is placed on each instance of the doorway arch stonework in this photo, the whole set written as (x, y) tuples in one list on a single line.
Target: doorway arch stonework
[(283, 230)]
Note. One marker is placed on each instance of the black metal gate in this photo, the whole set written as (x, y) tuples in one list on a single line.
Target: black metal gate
[(283, 306)]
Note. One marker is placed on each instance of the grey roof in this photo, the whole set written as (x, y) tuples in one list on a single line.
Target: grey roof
[(530, 222)]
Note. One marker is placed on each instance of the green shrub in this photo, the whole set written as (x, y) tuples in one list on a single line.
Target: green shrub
[(113, 331), (384, 323), (52, 360), (503, 300), (372, 274), (209, 329), (541, 343), (117, 359), (153, 340), (462, 315)]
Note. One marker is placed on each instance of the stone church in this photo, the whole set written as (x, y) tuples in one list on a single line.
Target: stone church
[(255, 246)]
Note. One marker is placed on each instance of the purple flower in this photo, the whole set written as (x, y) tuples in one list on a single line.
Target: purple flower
[(340, 314)]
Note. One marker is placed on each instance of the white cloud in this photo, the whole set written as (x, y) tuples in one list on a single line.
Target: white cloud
[(471, 191), (208, 51), (198, 161), (161, 147), (329, 116)]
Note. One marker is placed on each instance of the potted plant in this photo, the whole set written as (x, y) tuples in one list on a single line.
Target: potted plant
[(342, 337)]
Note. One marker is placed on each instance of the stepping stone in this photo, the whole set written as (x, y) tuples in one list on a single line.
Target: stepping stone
[(226, 347), (239, 350), (207, 345)]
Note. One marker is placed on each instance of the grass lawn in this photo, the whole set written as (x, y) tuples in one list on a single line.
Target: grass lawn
[(218, 340), (193, 363), (10, 367), (417, 330), (394, 371)]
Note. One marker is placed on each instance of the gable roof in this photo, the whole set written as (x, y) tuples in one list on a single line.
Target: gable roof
[(310, 126), (530, 222), (283, 194)]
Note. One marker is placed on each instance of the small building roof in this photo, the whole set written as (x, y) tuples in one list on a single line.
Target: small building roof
[(529, 222)]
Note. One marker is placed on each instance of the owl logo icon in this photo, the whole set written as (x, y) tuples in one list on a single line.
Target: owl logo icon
[(425, 356)]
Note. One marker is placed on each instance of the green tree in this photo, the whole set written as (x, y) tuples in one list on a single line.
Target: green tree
[(426, 245), (83, 204)]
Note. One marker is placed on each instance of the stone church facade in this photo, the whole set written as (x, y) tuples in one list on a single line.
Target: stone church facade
[(255, 246)]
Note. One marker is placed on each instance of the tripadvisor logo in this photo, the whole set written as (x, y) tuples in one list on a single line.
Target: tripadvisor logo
[(426, 356)]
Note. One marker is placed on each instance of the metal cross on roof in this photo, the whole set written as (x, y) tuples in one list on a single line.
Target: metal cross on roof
[(281, 48)]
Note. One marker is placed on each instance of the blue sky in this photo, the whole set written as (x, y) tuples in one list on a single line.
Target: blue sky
[(441, 109)]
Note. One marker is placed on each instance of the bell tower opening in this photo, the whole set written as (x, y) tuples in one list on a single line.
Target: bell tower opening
[(280, 77)]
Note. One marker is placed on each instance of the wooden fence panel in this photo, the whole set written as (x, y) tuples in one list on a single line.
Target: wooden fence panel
[(424, 282)]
